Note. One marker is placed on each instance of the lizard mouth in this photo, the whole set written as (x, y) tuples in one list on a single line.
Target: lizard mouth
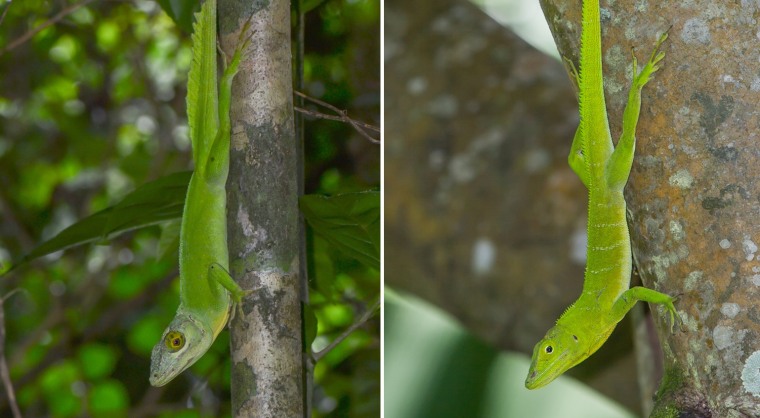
[(157, 379), (538, 379)]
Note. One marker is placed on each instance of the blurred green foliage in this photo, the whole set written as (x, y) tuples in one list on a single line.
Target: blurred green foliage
[(91, 108), (435, 368)]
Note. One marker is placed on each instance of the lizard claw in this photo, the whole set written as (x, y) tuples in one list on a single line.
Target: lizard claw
[(674, 317), (237, 302), (651, 66), (244, 41)]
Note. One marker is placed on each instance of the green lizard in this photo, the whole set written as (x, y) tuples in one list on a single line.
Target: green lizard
[(604, 170), (207, 292)]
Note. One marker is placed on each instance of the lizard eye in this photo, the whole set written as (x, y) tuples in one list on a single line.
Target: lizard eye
[(548, 349), (174, 340)]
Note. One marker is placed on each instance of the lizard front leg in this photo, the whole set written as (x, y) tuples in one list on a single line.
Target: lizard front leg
[(625, 302), (220, 275)]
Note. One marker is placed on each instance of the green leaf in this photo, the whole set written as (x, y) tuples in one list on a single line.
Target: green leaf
[(350, 222), (168, 244), (181, 11), (108, 399), (97, 360), (158, 201)]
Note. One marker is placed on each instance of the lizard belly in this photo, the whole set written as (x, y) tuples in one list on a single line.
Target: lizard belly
[(608, 264)]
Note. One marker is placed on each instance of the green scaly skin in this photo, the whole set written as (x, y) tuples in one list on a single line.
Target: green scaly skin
[(207, 292), (603, 169)]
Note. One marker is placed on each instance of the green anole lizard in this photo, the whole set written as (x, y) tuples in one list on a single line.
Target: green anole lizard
[(207, 292), (603, 169)]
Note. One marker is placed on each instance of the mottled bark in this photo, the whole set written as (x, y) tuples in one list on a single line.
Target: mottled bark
[(263, 215), (484, 217), (692, 197)]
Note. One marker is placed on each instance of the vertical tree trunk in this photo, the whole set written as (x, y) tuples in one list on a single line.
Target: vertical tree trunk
[(263, 214), (692, 194)]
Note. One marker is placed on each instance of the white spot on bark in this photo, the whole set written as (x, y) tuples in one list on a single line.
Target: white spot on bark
[(682, 179), (723, 336), (730, 310), (756, 279), (249, 231), (244, 221), (676, 231), (693, 279), (750, 248), (483, 256), (416, 85), (696, 31), (725, 244), (751, 374), (755, 85)]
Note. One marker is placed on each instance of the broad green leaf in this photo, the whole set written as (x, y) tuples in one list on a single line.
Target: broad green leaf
[(350, 222), (181, 11), (155, 202), (168, 244)]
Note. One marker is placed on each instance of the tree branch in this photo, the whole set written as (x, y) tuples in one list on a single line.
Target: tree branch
[(4, 372), (342, 117), (5, 12), (369, 313), (53, 20)]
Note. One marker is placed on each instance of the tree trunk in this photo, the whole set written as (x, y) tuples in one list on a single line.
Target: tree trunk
[(692, 199), (267, 375)]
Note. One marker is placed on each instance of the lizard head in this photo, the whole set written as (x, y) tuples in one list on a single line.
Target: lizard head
[(558, 351), (185, 340)]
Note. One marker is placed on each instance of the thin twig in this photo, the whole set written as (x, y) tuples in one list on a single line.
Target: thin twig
[(4, 373), (53, 20), (364, 318), (337, 118), (343, 117), (5, 12)]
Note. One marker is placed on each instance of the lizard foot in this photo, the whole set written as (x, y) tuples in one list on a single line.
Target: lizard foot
[(652, 65)]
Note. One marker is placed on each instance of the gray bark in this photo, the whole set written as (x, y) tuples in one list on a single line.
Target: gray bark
[(267, 374), (692, 197)]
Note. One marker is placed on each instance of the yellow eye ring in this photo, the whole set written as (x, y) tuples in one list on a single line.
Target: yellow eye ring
[(174, 340)]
